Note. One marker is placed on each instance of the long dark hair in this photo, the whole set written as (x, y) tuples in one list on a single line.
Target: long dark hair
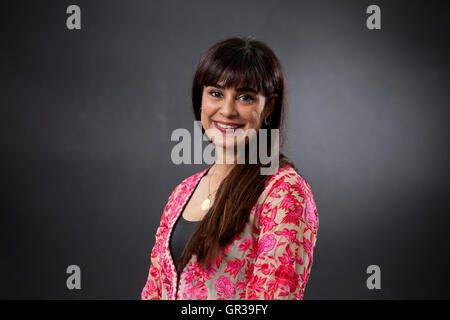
[(237, 61)]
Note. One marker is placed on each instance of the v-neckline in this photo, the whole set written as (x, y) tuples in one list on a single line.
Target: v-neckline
[(197, 183), (180, 214)]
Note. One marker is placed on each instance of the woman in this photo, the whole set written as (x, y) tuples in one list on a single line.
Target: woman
[(230, 232)]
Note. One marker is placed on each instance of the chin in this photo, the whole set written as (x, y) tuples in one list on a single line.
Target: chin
[(220, 143)]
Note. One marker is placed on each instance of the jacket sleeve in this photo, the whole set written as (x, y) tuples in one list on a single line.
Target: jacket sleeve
[(288, 224), (152, 289)]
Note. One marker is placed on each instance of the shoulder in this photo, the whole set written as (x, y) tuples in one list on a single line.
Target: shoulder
[(288, 193), (187, 183), (180, 193), (288, 182), (192, 179)]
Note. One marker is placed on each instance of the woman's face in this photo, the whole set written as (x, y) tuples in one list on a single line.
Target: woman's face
[(240, 108)]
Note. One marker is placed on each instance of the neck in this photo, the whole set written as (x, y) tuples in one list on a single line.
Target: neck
[(225, 161)]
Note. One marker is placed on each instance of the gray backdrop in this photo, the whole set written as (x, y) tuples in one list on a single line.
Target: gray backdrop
[(86, 118)]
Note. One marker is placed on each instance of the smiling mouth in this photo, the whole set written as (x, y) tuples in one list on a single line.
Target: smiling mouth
[(223, 127)]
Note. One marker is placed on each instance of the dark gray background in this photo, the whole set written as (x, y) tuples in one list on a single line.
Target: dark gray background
[(86, 118)]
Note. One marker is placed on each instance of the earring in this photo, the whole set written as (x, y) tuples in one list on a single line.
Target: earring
[(267, 120)]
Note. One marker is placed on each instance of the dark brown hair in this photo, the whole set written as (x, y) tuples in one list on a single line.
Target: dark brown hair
[(237, 61)]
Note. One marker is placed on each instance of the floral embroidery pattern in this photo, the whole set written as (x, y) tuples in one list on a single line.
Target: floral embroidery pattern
[(195, 283), (224, 287), (270, 259)]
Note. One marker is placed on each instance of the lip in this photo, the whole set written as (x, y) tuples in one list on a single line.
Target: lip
[(226, 123)]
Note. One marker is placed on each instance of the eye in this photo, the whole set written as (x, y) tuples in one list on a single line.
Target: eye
[(215, 94), (247, 97)]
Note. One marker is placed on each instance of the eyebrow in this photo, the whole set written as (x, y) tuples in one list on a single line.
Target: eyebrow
[(244, 89)]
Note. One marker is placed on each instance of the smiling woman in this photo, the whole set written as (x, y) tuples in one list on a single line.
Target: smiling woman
[(243, 235)]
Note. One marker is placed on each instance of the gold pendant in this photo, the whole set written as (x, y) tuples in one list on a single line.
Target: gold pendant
[(206, 204)]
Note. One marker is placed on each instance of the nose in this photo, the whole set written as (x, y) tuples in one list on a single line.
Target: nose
[(228, 109)]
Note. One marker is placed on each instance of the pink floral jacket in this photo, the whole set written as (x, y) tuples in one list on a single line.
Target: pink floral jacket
[(270, 259)]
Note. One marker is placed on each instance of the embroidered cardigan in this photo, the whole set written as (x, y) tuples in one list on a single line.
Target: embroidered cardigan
[(270, 259)]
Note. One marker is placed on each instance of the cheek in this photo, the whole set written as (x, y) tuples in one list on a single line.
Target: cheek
[(205, 116), (255, 116), (207, 105), (207, 110)]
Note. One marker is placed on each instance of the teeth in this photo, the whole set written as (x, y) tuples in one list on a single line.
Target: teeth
[(224, 126)]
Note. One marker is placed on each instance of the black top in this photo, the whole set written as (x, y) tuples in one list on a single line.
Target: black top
[(181, 234)]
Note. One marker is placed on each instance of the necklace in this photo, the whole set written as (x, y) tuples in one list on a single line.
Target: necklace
[(206, 204)]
